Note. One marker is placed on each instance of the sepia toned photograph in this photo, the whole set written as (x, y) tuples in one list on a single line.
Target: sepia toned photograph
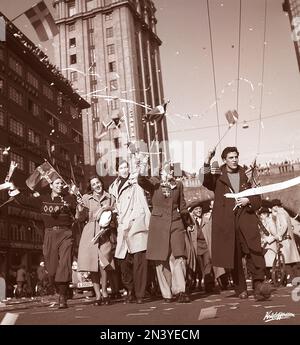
[(149, 165)]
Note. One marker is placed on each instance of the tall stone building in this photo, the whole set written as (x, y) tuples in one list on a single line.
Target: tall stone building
[(292, 8), (109, 49)]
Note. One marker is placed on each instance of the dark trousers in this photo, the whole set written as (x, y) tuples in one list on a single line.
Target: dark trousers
[(205, 269), (255, 265), (57, 251), (134, 273)]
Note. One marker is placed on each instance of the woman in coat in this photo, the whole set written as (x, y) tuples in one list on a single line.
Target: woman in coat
[(166, 242), (95, 257), (284, 232)]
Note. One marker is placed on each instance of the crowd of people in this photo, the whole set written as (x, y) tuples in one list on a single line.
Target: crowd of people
[(141, 236)]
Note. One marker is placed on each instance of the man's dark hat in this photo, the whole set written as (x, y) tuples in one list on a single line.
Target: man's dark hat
[(204, 204), (276, 202), (266, 203)]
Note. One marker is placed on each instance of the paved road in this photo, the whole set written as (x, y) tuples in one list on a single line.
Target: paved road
[(229, 311)]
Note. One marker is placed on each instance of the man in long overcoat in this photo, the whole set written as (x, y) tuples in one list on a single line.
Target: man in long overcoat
[(235, 231), (166, 241)]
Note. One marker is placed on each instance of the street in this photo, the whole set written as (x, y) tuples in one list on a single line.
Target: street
[(229, 311)]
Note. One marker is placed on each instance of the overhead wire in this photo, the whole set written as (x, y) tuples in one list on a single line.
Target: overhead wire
[(225, 125), (213, 68), (262, 79), (238, 71)]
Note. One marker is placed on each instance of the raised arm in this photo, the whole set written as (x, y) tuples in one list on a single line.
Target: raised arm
[(185, 215), (205, 173)]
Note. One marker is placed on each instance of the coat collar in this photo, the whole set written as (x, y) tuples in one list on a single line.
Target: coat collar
[(243, 177), (95, 196), (131, 180), (173, 184)]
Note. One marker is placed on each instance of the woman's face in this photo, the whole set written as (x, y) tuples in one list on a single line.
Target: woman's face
[(96, 185), (263, 216)]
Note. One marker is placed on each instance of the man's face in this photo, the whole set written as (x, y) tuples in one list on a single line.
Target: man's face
[(123, 170), (197, 212), (231, 161), (275, 210), (57, 186)]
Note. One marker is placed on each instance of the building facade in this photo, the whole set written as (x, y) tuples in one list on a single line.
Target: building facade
[(292, 8), (109, 50), (40, 118)]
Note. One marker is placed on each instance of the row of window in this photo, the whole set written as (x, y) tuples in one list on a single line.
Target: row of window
[(17, 96), (19, 232), (20, 160), (92, 54), (16, 127), (17, 67), (15, 157), (90, 5), (110, 51)]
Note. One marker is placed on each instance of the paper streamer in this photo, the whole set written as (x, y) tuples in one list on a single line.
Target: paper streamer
[(5, 185), (208, 313), (9, 319), (264, 189)]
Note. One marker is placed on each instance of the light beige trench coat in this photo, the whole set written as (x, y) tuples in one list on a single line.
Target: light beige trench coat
[(92, 255), (133, 217), (284, 226)]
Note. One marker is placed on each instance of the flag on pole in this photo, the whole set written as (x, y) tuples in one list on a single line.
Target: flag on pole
[(232, 117), (42, 21), (72, 173), (108, 125), (100, 130), (156, 114), (42, 176)]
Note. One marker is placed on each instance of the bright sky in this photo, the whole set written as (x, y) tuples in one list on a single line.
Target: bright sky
[(187, 69), (187, 64)]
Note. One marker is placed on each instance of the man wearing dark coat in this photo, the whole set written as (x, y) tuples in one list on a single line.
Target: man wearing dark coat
[(166, 241), (235, 231)]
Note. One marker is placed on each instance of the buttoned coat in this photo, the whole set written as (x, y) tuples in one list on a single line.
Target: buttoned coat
[(226, 223), (166, 229), (90, 254), (269, 240), (133, 216)]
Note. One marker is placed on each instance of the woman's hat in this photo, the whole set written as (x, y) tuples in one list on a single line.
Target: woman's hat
[(205, 205), (276, 202)]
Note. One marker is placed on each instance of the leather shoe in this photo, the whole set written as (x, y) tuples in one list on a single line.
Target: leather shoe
[(262, 291), (106, 300), (62, 306), (130, 297), (168, 300), (183, 298), (243, 295), (97, 302), (62, 302), (139, 301)]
